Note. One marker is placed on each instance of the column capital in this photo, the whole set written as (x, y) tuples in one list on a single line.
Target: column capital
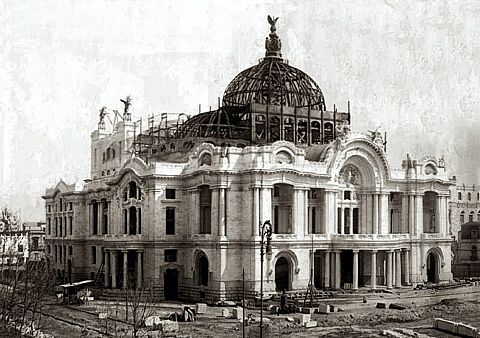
[(374, 251), (356, 251), (405, 249)]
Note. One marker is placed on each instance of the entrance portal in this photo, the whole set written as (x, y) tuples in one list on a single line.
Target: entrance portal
[(432, 273), (170, 284), (346, 258), (282, 275)]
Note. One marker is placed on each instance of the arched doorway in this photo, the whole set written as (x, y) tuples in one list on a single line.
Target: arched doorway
[(170, 284), (202, 268), (432, 267), (282, 274)]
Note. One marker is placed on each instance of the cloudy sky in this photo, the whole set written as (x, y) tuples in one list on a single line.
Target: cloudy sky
[(410, 67)]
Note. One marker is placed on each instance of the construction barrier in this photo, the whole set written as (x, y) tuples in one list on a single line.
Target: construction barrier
[(446, 325)]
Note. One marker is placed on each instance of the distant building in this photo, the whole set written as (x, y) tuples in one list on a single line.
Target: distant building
[(14, 248), (466, 262), (464, 219), (178, 206), (36, 240)]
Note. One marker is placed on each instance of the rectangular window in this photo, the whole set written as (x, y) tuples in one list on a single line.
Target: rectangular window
[(55, 253), (20, 248), (70, 204), (314, 220), (205, 226), (95, 219), (346, 195), (70, 225), (170, 220), (170, 194), (70, 250), (49, 226), (49, 208), (474, 234), (170, 255), (34, 243), (60, 226), (60, 249), (93, 253)]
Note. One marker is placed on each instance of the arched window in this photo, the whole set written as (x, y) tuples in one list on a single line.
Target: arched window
[(462, 217), (133, 190), (470, 216), (459, 196), (315, 131), (469, 196), (328, 132), (206, 159)]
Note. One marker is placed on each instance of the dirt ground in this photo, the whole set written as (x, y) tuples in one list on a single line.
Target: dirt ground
[(368, 322)]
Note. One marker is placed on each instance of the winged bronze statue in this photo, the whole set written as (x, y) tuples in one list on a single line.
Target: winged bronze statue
[(272, 21)]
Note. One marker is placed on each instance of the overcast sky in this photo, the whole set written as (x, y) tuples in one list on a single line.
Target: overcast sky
[(411, 67)]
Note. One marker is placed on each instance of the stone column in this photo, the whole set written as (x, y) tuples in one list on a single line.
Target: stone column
[(419, 214), (305, 212), (113, 261), (330, 211), (363, 214), (106, 265), (256, 212), (296, 222), (100, 218), (125, 269), (139, 270), (442, 215), (407, 266), (411, 214), (369, 224), (373, 269), (337, 270), (221, 212), (383, 227), (214, 217), (196, 211), (326, 270), (389, 269), (342, 220), (375, 214), (90, 212), (266, 204), (355, 270), (398, 267), (404, 226)]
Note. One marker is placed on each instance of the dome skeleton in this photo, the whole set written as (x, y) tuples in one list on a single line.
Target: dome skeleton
[(268, 102)]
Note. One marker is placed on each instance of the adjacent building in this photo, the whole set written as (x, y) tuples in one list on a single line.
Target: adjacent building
[(177, 202)]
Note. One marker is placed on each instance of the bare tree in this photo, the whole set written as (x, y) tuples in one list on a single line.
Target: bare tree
[(26, 285), (139, 305)]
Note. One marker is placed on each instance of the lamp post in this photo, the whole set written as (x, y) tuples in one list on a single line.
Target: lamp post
[(266, 233)]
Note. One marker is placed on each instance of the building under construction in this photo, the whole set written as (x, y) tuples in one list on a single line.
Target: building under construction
[(176, 202)]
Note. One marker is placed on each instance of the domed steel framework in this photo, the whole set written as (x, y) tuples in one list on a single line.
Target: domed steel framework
[(268, 102), (273, 81)]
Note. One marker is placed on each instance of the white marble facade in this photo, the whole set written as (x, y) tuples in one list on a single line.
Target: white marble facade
[(194, 226)]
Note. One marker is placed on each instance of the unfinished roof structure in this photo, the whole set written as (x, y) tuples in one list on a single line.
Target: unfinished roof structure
[(268, 102)]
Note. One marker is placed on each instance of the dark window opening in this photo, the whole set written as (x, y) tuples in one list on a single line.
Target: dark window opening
[(205, 210), (95, 218), (93, 254), (347, 195), (170, 194), (132, 225), (170, 220), (170, 255)]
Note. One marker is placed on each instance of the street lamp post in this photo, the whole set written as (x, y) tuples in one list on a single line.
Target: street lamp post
[(266, 233)]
